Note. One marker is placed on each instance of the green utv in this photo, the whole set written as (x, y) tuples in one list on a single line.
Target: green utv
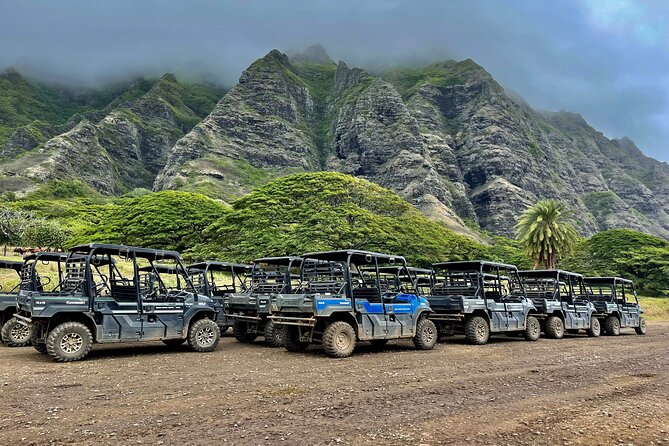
[(97, 303)]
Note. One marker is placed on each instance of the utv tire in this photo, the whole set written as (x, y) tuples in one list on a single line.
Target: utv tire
[(554, 327), (241, 332), (69, 341), (612, 326), (641, 329), (204, 335), (339, 339), (292, 341), (532, 330), (16, 334), (477, 330), (274, 334), (426, 335), (40, 347), (595, 328), (173, 342)]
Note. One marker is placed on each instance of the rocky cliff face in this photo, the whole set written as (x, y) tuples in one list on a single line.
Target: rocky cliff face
[(125, 148), (447, 137)]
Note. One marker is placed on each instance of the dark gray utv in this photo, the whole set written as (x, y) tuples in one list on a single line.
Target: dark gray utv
[(478, 298), (96, 303), (219, 281), (250, 310), (562, 302), (13, 333), (617, 304), (35, 277), (340, 301)]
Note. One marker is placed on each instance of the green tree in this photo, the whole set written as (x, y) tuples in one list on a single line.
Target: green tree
[(13, 224), (45, 234), (546, 234), (323, 211)]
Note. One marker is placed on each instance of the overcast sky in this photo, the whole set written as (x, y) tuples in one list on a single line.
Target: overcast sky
[(606, 59)]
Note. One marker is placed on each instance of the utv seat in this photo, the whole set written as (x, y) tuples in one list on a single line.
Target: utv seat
[(124, 293), (370, 294)]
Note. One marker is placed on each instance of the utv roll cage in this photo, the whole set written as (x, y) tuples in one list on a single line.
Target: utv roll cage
[(277, 280), (30, 278), (357, 284), (547, 284), (392, 278), (13, 265), (604, 289), (470, 279), (100, 254), (202, 274)]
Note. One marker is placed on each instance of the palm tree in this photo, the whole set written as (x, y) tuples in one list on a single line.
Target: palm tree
[(546, 233)]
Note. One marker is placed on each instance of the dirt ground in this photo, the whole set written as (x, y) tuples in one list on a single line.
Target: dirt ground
[(574, 391)]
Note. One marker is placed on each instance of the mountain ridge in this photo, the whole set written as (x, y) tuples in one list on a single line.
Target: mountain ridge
[(447, 137)]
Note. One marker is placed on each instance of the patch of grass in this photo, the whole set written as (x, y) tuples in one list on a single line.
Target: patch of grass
[(656, 308)]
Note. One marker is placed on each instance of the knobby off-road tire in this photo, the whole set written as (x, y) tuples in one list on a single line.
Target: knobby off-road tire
[(339, 339), (595, 328), (274, 334), (241, 332), (532, 330), (554, 327), (612, 326), (291, 340), (477, 330), (16, 334), (173, 342), (426, 335), (69, 341), (204, 335), (641, 329)]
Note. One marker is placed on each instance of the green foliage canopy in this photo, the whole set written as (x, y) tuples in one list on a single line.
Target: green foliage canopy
[(323, 211)]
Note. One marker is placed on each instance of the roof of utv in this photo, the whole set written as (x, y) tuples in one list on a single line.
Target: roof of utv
[(355, 255), (472, 265), (11, 264), (167, 269), (145, 253), (46, 256), (393, 269), (547, 273), (278, 260), (606, 280), (220, 266)]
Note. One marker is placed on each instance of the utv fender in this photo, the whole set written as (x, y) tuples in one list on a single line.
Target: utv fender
[(336, 316), (194, 314), (73, 316)]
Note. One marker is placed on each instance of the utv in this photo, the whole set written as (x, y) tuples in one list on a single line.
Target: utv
[(562, 302), (13, 334), (339, 303), (218, 281), (478, 298), (250, 309), (616, 303), (94, 307)]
